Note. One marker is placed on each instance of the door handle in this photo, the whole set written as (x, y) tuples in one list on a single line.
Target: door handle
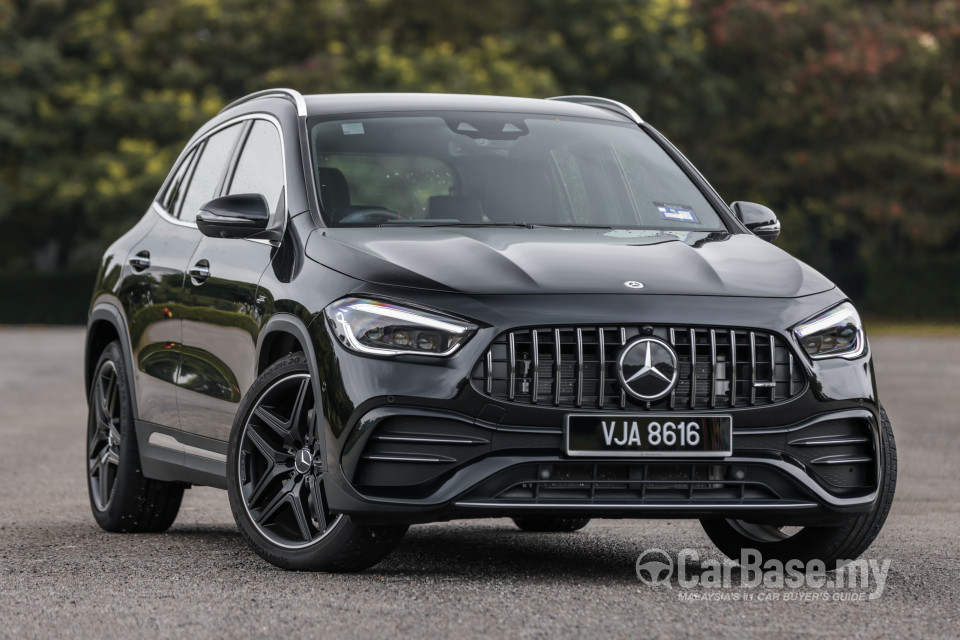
[(140, 261), (200, 271)]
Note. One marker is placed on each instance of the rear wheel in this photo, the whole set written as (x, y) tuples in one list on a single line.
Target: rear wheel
[(828, 544), (121, 498), (276, 481), (547, 524)]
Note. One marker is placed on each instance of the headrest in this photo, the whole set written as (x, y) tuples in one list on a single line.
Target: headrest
[(334, 192)]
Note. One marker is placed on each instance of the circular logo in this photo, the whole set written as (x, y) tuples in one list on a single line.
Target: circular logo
[(303, 461), (648, 368), (633, 284), (655, 567)]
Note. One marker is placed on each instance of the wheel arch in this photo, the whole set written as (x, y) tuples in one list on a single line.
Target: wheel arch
[(106, 324), (279, 338), (283, 334), (280, 333)]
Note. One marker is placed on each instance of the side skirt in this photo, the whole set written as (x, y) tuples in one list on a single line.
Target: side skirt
[(172, 455)]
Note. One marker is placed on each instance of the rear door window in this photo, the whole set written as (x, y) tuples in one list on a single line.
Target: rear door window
[(177, 187), (208, 171)]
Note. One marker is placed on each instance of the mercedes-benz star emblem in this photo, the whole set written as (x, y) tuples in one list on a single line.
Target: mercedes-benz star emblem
[(648, 368), (303, 461), (633, 284)]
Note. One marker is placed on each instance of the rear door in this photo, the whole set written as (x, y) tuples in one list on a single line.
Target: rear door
[(220, 322), (152, 291)]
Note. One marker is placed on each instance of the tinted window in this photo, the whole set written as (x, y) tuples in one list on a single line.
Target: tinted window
[(403, 184), (479, 168), (175, 190), (209, 169), (260, 168)]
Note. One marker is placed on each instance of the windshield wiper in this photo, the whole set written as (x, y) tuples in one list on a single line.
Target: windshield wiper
[(452, 223), (521, 225), (569, 226)]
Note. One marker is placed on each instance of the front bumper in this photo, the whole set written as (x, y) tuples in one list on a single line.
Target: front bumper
[(414, 441), (417, 465)]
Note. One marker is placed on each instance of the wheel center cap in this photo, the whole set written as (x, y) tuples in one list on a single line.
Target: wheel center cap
[(303, 461)]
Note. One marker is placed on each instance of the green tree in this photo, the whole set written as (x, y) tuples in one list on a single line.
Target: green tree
[(841, 115)]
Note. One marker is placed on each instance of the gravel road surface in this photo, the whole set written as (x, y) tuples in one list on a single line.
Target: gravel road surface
[(61, 576)]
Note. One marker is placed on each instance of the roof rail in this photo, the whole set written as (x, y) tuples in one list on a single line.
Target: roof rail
[(602, 103), (289, 94)]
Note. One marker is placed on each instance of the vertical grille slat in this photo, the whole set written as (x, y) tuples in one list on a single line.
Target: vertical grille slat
[(673, 343), (535, 351), (773, 369), (602, 368), (790, 373), (512, 355), (557, 371), (623, 342), (575, 367), (693, 368), (733, 368), (579, 367), (714, 368), (489, 372)]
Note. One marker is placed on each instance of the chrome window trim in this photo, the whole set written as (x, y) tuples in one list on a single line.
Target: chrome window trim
[(165, 215)]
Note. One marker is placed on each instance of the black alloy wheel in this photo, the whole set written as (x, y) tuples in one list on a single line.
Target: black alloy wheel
[(103, 450), (277, 483), (280, 472), (121, 498)]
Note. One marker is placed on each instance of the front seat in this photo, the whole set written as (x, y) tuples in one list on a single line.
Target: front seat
[(334, 192)]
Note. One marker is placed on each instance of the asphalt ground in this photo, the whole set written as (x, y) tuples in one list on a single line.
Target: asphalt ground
[(61, 576)]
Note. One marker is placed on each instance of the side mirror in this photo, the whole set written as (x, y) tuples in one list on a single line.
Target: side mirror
[(758, 219), (241, 215)]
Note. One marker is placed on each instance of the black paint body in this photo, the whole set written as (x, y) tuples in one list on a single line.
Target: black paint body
[(196, 345)]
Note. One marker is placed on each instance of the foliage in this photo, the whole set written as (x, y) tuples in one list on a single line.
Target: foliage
[(843, 116)]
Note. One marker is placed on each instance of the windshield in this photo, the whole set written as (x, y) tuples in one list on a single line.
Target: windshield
[(456, 168)]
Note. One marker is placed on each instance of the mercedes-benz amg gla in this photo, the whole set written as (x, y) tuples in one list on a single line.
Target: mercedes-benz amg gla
[(360, 312)]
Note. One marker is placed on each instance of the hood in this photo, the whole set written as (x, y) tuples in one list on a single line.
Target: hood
[(500, 260)]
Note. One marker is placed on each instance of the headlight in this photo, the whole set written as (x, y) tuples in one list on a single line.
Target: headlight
[(385, 329), (837, 333)]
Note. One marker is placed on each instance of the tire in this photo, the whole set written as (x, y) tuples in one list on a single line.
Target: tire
[(547, 524), (121, 498), (831, 545), (275, 481)]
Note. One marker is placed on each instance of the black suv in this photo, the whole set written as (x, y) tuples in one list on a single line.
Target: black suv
[(359, 312)]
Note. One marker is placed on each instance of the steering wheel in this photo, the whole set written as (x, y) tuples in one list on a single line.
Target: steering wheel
[(370, 215)]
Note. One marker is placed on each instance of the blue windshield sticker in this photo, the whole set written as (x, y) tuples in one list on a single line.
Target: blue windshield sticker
[(676, 212), (352, 128)]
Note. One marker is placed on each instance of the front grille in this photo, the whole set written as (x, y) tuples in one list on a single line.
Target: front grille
[(576, 367), (642, 483)]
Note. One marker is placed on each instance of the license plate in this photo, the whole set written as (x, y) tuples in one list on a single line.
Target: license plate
[(647, 435)]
